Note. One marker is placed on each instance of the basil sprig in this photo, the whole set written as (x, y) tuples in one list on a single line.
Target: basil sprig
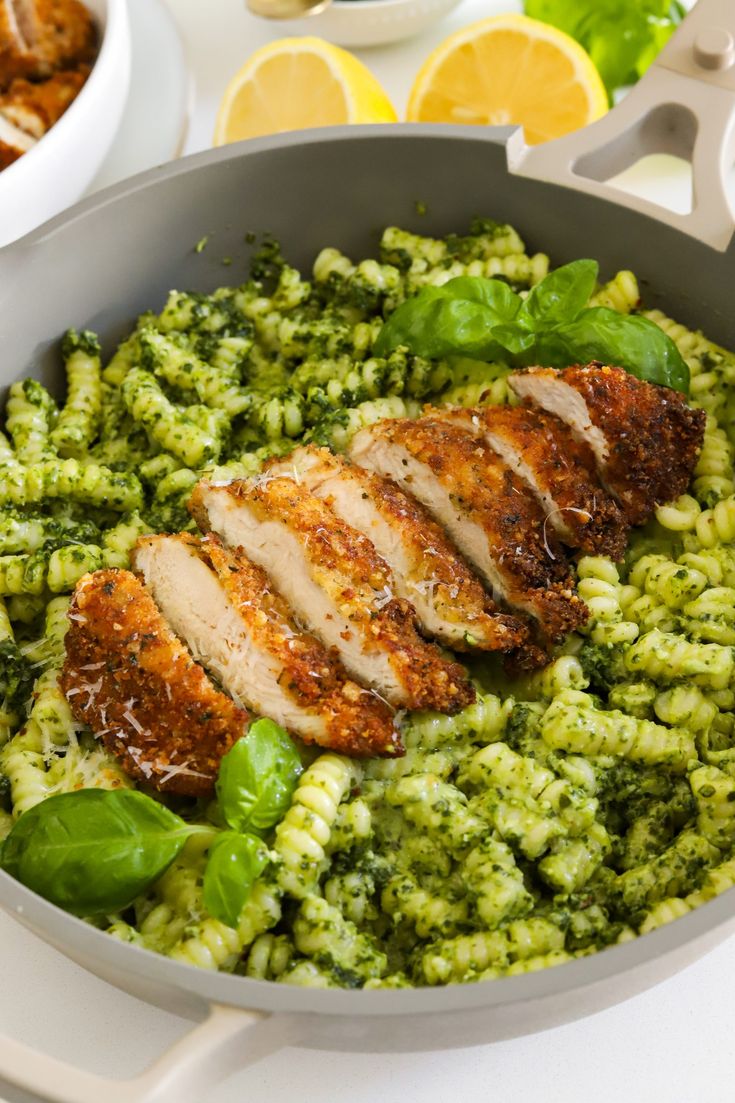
[(94, 851), (553, 327)]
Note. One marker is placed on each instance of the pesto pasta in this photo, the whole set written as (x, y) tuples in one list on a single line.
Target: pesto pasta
[(563, 812)]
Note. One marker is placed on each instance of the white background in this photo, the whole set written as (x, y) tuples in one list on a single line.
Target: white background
[(675, 1043)]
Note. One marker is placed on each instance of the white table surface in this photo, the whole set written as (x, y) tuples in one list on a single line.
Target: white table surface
[(673, 1043)]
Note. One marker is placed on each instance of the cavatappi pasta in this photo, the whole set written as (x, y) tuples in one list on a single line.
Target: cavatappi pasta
[(561, 813)]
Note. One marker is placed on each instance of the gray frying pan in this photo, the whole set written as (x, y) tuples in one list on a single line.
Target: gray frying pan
[(111, 257)]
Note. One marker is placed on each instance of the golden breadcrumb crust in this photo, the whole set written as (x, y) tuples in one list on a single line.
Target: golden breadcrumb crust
[(35, 106), (524, 548), (133, 682), (346, 566), (562, 467), (38, 37), (356, 722), (653, 435), (458, 595)]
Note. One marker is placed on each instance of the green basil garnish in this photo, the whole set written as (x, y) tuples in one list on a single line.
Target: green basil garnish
[(95, 850), (553, 327), (257, 778), (235, 862)]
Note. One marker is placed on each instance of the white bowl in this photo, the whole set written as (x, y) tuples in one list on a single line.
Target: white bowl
[(370, 22), (57, 170)]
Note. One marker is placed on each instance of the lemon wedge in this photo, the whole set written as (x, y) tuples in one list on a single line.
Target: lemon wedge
[(296, 83), (509, 69)]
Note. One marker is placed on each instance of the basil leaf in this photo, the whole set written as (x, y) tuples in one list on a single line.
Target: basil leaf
[(456, 318), (235, 862), (559, 296), (257, 778), (485, 320), (513, 339), (500, 299), (626, 340), (95, 850)]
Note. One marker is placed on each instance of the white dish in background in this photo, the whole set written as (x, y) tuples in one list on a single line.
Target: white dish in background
[(369, 22), (160, 97), (56, 171)]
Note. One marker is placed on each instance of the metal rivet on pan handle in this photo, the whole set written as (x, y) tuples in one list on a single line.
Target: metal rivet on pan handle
[(714, 48)]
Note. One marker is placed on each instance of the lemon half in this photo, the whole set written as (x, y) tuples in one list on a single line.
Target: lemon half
[(509, 69), (296, 83)]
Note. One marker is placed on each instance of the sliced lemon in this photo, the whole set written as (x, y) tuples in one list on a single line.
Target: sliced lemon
[(296, 83), (509, 69)]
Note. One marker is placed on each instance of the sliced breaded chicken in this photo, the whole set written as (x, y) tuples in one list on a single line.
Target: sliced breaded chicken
[(241, 630), (560, 471), (40, 36), (450, 602), (485, 509), (335, 582), (66, 33), (645, 438), (14, 142), (34, 108), (17, 38), (134, 683)]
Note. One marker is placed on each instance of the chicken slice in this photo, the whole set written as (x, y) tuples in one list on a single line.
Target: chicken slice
[(134, 683), (66, 33), (232, 620), (484, 508), (450, 602), (645, 438), (560, 471), (40, 36), (335, 581), (14, 142), (17, 35), (34, 108)]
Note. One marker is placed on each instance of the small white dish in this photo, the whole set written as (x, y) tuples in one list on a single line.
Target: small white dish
[(56, 171), (370, 22), (160, 98)]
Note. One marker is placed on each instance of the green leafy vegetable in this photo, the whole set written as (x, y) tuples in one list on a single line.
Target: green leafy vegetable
[(95, 850), (559, 296), (622, 37), (486, 320), (257, 778), (629, 341), (235, 861)]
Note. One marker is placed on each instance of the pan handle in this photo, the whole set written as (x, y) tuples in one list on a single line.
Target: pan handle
[(684, 105), (228, 1040)]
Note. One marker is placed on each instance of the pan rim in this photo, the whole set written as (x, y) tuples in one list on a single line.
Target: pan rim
[(76, 939), (192, 162)]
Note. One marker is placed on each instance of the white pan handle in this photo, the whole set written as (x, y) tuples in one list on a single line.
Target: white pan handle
[(684, 105), (228, 1040)]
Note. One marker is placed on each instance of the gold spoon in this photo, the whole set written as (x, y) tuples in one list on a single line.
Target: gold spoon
[(286, 9)]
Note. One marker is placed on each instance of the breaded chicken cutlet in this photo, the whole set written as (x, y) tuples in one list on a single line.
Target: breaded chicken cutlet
[(241, 629), (38, 37), (450, 601), (559, 470), (47, 48), (129, 678), (645, 438), (334, 581), (486, 510)]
